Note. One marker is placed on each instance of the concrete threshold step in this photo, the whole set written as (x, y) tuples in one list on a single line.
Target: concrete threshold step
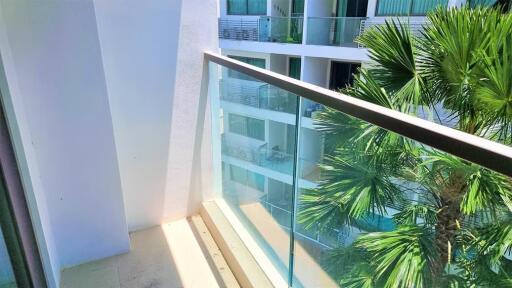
[(238, 257)]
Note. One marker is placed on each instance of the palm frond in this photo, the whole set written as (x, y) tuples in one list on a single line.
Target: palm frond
[(417, 213), (355, 185), (402, 258), (394, 48)]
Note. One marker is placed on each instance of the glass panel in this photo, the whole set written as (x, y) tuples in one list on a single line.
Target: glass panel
[(404, 7), (11, 261), (247, 7), (342, 74), (341, 31), (257, 7), (294, 68), (257, 180), (247, 126), (423, 7), (281, 29), (6, 273), (394, 7), (297, 7), (237, 7), (386, 211), (485, 3), (258, 62)]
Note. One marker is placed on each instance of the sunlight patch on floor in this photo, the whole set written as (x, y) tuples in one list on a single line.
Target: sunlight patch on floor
[(192, 265)]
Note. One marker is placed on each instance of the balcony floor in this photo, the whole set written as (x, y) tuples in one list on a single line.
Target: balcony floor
[(171, 255)]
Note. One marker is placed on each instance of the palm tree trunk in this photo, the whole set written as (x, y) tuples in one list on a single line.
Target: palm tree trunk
[(448, 219)]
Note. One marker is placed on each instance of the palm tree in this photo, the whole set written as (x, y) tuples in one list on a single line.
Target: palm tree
[(454, 226)]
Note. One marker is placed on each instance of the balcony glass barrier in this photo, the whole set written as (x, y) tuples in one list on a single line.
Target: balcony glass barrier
[(262, 29), (358, 204), (407, 7), (257, 94), (281, 29), (257, 155), (333, 31)]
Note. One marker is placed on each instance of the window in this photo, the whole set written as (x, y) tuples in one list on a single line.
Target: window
[(298, 7), (342, 74), (247, 7), (247, 126), (294, 68), (407, 7), (484, 3), (248, 178), (258, 62)]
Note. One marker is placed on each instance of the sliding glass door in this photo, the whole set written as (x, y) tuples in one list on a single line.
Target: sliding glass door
[(20, 262), (12, 266)]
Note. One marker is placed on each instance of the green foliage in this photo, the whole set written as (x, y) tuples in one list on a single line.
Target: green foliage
[(401, 258), (462, 62), (355, 185), (415, 213)]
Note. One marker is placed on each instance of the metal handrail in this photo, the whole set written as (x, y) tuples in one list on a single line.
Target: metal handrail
[(484, 152)]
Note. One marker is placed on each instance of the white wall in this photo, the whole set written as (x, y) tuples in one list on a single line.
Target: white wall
[(372, 6), (314, 71), (139, 43), (27, 164), (276, 135), (189, 162), (55, 64), (311, 148), (279, 63), (322, 8)]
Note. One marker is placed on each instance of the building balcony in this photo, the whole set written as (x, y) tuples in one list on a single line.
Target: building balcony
[(334, 31), (272, 208), (263, 29)]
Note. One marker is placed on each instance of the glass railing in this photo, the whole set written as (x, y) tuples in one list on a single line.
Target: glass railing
[(281, 29), (239, 29), (262, 29), (333, 31), (383, 198), (257, 94)]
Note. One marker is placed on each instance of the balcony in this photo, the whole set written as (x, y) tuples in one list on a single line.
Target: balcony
[(334, 31), (256, 94), (273, 209), (263, 29), (140, 160)]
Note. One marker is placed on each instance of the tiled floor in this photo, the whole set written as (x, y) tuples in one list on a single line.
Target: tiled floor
[(172, 255)]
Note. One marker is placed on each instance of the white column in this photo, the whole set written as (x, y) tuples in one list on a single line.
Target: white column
[(187, 163)]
